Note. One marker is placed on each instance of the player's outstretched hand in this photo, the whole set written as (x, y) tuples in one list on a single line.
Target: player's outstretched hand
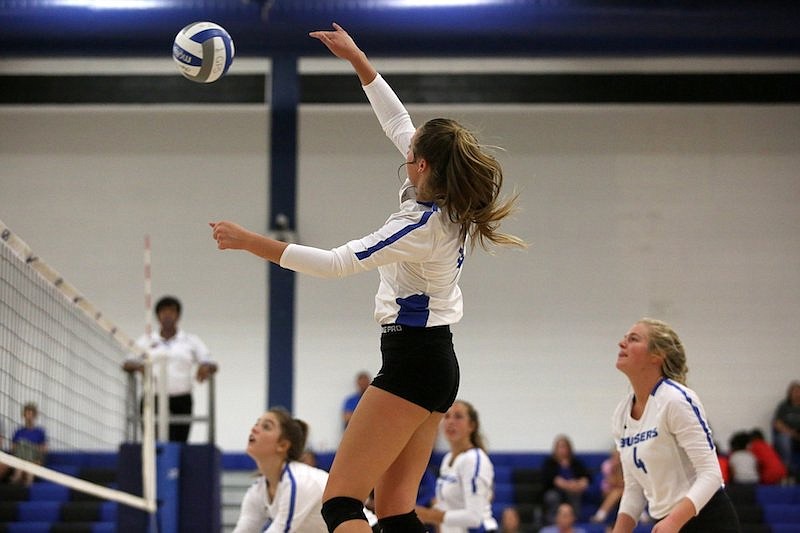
[(229, 235), (338, 42)]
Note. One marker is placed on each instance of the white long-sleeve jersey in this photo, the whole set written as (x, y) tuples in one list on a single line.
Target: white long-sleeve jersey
[(667, 454), (296, 507), (464, 491), (418, 252)]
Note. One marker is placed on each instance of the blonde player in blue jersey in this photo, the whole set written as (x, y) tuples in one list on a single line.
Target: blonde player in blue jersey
[(450, 200), (465, 486), (669, 462)]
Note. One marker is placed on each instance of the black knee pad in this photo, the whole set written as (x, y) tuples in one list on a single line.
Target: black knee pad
[(341, 509), (402, 523)]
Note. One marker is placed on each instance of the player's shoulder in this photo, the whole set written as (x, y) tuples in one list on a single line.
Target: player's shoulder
[(416, 209), (417, 218), (668, 389), (671, 393), (481, 455), (302, 471), (472, 458)]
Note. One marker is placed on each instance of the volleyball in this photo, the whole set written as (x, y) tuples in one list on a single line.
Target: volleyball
[(203, 51)]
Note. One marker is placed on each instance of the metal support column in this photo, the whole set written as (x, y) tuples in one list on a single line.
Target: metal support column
[(283, 192)]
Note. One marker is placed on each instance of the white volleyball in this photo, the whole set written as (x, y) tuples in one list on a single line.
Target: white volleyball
[(203, 51)]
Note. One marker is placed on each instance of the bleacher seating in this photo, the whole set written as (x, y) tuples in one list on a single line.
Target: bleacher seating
[(46, 507), (762, 509)]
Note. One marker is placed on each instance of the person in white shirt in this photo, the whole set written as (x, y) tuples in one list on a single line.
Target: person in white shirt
[(183, 351), (287, 496), (668, 456), (465, 486), (742, 464), (450, 200)]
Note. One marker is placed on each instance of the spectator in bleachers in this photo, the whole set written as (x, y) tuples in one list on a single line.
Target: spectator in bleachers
[(741, 461), (564, 521), (786, 425), (363, 380), (666, 447), (611, 487), (29, 443), (511, 521), (771, 469), (466, 477), (565, 478)]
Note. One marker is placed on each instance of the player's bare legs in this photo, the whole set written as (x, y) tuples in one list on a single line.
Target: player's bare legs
[(396, 491), (376, 437)]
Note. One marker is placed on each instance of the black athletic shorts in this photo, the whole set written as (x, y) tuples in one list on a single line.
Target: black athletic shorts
[(419, 365), (717, 516)]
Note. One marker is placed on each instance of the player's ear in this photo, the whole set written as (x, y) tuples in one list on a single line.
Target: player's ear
[(656, 359), (284, 445)]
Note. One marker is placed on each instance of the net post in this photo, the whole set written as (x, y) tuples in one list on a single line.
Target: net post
[(212, 412), (133, 418), (163, 400), (148, 436)]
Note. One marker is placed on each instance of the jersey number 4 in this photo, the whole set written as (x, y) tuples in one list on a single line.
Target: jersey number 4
[(638, 462)]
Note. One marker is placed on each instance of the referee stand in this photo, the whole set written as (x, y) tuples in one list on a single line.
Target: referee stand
[(188, 479)]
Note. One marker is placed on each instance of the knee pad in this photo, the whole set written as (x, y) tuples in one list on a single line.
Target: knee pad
[(341, 509), (402, 523)]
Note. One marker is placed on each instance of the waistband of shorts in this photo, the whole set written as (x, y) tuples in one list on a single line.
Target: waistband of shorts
[(389, 329)]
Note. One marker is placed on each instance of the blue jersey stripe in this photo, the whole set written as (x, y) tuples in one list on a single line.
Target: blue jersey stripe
[(694, 408), (292, 498), (394, 237), (477, 469)]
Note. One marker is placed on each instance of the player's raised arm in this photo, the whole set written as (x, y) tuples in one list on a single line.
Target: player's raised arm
[(389, 110), (344, 47)]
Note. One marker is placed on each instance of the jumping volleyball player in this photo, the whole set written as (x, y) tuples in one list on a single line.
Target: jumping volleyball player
[(449, 200)]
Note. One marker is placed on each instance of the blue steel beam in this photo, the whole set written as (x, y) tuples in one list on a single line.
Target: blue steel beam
[(409, 27)]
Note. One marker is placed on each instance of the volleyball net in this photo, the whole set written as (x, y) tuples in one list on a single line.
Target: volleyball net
[(60, 353)]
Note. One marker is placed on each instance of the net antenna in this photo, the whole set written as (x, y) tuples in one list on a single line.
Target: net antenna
[(162, 427), (148, 288), (57, 347)]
